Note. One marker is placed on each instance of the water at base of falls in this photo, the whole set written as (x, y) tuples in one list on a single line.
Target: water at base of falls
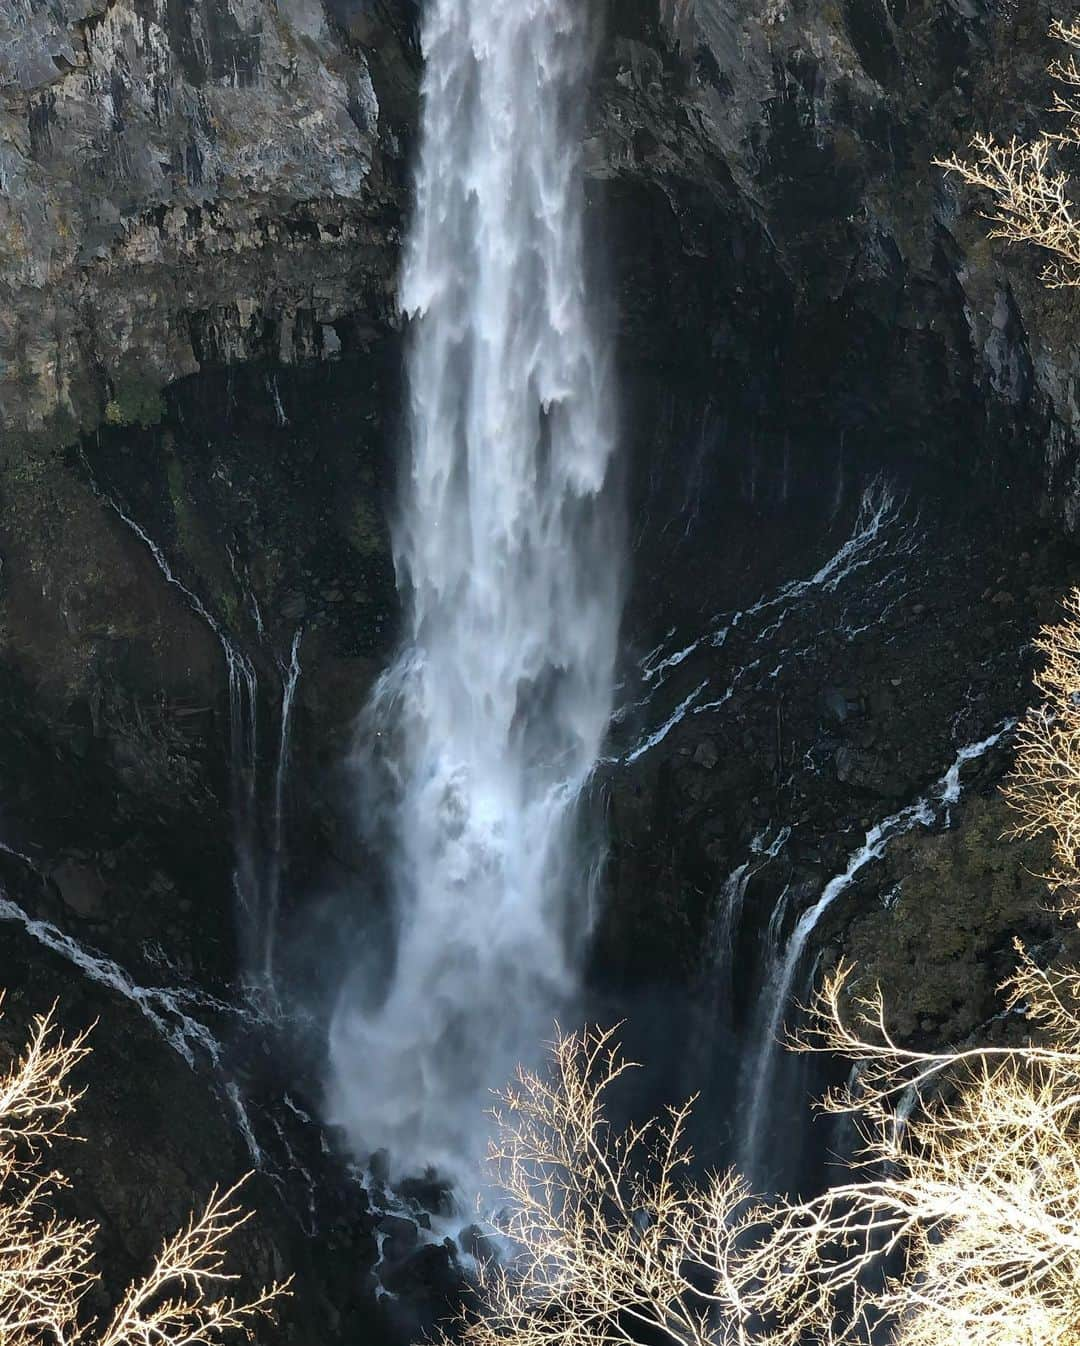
[(508, 555)]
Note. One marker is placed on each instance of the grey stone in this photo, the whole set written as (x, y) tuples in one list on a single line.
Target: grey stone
[(81, 887), (705, 754)]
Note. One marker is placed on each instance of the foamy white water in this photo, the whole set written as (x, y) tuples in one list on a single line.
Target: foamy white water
[(508, 558)]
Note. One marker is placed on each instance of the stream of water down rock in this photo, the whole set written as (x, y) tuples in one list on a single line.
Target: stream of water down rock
[(507, 546)]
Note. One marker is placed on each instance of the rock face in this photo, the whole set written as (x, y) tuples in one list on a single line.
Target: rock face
[(817, 269), (199, 227), (177, 181), (806, 303), (199, 374)]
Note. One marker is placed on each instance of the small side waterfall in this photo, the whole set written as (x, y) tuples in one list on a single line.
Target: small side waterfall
[(258, 845), (243, 783), (212, 1036), (718, 999), (787, 959), (258, 840), (509, 558), (290, 677)]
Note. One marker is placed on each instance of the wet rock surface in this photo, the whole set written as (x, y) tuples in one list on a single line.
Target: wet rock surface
[(795, 210), (749, 772)]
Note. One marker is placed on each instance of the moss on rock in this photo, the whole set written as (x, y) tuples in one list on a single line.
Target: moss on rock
[(941, 940), (136, 400)]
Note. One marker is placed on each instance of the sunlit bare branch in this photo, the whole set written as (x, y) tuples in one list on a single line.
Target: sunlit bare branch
[(1030, 195), (1045, 786), (182, 1301), (612, 1237), (47, 1264), (957, 1223)]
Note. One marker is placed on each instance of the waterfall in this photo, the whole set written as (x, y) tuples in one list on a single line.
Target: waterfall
[(726, 921), (508, 557), (256, 875), (186, 1017), (243, 788), (290, 677), (785, 962)]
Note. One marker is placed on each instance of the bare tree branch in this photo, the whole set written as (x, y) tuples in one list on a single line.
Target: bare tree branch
[(47, 1263), (958, 1223), (1030, 197)]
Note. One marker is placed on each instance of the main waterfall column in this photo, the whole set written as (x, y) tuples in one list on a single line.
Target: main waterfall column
[(509, 564)]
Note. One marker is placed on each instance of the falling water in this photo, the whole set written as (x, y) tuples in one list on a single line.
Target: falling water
[(931, 810), (720, 945), (508, 557), (256, 875), (290, 677), (243, 779)]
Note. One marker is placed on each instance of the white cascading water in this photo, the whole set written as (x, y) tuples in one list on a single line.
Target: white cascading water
[(508, 559), (785, 961), (256, 878)]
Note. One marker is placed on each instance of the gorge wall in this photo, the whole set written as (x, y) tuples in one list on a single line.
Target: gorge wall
[(200, 224)]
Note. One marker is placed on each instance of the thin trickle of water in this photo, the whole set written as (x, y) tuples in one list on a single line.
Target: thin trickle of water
[(166, 1008), (714, 1020), (161, 560), (243, 747), (726, 920), (241, 575), (721, 938), (15, 855), (785, 962), (950, 782), (650, 741), (290, 677), (508, 556), (256, 875), (182, 1015), (878, 538), (243, 777), (275, 397), (243, 1123)]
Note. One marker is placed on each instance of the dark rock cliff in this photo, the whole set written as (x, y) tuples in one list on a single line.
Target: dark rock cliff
[(806, 303), (199, 230)]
